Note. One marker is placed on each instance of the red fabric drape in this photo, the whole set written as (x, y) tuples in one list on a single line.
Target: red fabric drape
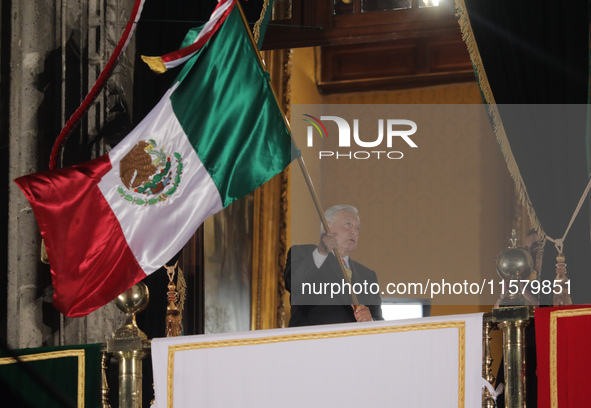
[(563, 341)]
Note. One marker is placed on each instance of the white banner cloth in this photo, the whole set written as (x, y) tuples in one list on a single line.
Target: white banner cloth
[(428, 362)]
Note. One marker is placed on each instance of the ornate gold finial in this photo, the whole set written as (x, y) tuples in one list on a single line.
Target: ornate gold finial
[(130, 345), (563, 298), (514, 264), (131, 302), (155, 63), (513, 239)]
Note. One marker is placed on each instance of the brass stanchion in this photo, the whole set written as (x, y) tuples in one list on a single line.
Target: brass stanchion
[(104, 383), (512, 316), (488, 400), (513, 320), (130, 345)]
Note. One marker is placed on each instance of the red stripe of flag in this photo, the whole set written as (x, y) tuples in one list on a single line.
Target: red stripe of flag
[(82, 235)]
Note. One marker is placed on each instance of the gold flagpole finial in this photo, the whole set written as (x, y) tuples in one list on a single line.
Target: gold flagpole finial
[(155, 63)]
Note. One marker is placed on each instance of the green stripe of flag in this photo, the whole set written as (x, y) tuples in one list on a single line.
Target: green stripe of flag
[(226, 107)]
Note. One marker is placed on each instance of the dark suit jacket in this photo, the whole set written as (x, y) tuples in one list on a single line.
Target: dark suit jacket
[(311, 309)]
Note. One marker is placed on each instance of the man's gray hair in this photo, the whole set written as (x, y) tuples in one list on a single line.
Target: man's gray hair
[(332, 212)]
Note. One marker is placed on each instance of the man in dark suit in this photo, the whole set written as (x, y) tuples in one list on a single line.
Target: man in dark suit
[(319, 293)]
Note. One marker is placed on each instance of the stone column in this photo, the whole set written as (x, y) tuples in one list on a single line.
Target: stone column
[(40, 32), (100, 29), (33, 38)]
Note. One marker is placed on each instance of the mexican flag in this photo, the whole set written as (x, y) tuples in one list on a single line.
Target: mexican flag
[(215, 136)]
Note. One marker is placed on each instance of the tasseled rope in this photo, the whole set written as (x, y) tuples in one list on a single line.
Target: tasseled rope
[(256, 30), (499, 130), (173, 321)]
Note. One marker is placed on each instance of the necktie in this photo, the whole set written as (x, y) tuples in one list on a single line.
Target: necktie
[(348, 270)]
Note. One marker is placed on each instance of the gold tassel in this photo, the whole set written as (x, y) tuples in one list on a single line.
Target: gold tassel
[(44, 256), (181, 287), (563, 298), (256, 30), (173, 315), (155, 63)]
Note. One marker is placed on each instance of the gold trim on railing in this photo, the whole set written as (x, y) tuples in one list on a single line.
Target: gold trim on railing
[(57, 354), (554, 348)]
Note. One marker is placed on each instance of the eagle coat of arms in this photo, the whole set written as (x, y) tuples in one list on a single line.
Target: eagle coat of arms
[(148, 174)]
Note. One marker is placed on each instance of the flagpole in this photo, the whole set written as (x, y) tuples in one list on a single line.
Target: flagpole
[(303, 167)]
